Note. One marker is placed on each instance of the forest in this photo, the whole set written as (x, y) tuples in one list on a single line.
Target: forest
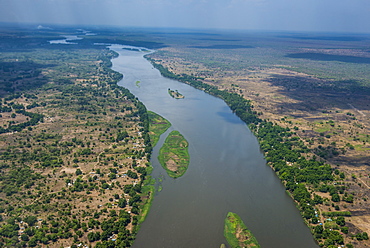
[(74, 148)]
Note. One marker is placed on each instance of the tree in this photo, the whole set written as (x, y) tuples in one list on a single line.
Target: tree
[(340, 221), (30, 220), (349, 199), (112, 213), (335, 198), (122, 203), (301, 193), (362, 236), (319, 229), (32, 242), (29, 231), (132, 174), (121, 136), (24, 237), (93, 236), (344, 229), (365, 236), (317, 199)]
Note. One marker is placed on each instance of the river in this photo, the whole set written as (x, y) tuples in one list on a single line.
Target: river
[(227, 171)]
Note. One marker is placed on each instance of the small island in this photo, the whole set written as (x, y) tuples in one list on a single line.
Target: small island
[(173, 155), (175, 94), (237, 234)]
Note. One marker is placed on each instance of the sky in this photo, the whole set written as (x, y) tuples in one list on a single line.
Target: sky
[(266, 15)]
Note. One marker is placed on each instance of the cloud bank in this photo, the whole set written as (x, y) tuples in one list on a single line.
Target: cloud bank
[(289, 15)]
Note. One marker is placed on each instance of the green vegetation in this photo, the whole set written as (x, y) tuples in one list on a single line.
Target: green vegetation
[(175, 94), (137, 83), (237, 234), (148, 194), (72, 140), (237, 103), (74, 148), (286, 153), (157, 126), (173, 155), (339, 213)]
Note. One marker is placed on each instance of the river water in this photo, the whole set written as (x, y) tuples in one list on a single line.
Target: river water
[(227, 171)]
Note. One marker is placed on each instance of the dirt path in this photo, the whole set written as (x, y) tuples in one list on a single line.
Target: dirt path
[(353, 107), (364, 183)]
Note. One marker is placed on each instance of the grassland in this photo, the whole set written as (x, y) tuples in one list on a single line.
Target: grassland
[(157, 126), (147, 193), (237, 234), (173, 155)]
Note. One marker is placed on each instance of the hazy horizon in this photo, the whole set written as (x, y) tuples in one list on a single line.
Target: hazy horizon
[(270, 15)]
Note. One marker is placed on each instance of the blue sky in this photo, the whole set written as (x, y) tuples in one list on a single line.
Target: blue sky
[(279, 15)]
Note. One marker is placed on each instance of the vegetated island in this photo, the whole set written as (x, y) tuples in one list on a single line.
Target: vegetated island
[(237, 234), (137, 83), (173, 155), (175, 94), (157, 126)]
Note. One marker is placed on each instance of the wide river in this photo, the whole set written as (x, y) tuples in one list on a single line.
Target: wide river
[(227, 171)]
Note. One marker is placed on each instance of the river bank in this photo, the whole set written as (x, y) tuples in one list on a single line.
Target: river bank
[(237, 233), (74, 176), (282, 150), (226, 168)]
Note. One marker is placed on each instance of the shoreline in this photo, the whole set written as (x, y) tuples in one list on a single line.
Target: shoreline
[(211, 90), (258, 128), (173, 155)]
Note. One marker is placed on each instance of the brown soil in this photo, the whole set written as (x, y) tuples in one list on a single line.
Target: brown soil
[(240, 235), (171, 165)]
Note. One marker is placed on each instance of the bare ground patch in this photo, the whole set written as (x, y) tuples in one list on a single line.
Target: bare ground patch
[(171, 164)]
